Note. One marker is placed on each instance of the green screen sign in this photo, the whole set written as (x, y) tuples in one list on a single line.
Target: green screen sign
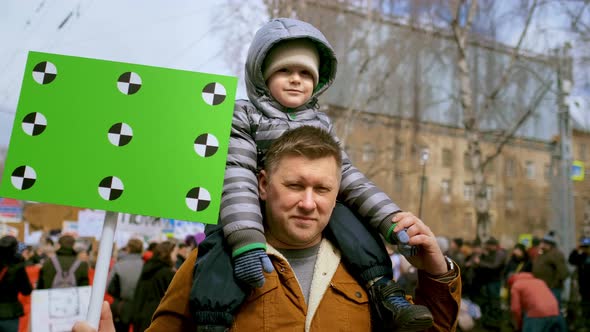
[(120, 137)]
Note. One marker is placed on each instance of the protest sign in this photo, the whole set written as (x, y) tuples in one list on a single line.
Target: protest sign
[(120, 137)]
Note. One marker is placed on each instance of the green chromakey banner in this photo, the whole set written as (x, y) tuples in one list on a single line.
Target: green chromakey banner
[(120, 137)]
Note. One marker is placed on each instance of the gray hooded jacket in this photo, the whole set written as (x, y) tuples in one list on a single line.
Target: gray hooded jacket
[(261, 120)]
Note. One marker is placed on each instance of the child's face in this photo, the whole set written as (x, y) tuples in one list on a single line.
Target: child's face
[(291, 86)]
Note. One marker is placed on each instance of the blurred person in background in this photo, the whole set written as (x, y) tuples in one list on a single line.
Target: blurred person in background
[(13, 280), (580, 258), (122, 283), (156, 275), (518, 262), (149, 252), (30, 256), (489, 269), (533, 306), (66, 256), (550, 265), (534, 250), (455, 251), (183, 251)]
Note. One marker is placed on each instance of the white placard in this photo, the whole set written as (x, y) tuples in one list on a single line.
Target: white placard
[(57, 309), (90, 223)]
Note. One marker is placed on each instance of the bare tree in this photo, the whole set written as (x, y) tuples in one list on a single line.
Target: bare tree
[(465, 12)]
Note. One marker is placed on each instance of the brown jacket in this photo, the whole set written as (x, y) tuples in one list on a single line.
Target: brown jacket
[(336, 302)]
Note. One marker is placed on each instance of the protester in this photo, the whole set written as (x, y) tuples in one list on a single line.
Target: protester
[(13, 280), (533, 306), (456, 251), (580, 258), (310, 287), (518, 262), (534, 250), (183, 251), (550, 265), (489, 267), (122, 283), (156, 275), (65, 257), (289, 64)]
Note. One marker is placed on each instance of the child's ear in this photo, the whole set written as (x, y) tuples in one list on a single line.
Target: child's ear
[(262, 183)]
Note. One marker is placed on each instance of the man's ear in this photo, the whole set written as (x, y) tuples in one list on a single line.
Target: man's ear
[(262, 183)]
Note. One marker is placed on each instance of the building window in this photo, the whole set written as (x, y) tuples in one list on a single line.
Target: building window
[(447, 157), (468, 191), (489, 192), (583, 152), (467, 162), (547, 172), (368, 152), (445, 189), (398, 185), (510, 167), (509, 195), (398, 152), (530, 169)]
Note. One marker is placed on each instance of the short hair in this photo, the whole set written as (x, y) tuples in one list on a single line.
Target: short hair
[(66, 241), (135, 246), (163, 251), (305, 141)]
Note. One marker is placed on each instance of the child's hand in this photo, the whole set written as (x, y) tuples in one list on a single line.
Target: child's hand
[(248, 267)]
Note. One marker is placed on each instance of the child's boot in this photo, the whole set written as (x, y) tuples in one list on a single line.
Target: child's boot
[(392, 308)]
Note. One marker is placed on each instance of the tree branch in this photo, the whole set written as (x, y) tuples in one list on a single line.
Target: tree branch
[(508, 135), (513, 57)]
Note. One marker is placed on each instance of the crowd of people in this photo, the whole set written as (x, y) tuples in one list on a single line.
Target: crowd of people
[(519, 288), (139, 276)]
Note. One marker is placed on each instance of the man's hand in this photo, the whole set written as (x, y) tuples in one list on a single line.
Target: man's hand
[(429, 258), (104, 325), (248, 267)]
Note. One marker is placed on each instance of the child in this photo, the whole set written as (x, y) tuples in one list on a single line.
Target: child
[(289, 64)]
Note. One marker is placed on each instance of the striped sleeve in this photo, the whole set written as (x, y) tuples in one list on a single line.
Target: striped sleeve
[(240, 213)]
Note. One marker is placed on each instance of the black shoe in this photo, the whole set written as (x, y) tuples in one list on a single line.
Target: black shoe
[(212, 328), (393, 310)]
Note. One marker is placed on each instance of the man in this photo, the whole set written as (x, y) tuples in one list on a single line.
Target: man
[(488, 271), (580, 258), (66, 256), (123, 280), (310, 288), (550, 265)]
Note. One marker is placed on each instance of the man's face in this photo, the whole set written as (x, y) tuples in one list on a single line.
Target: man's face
[(291, 86), (300, 194)]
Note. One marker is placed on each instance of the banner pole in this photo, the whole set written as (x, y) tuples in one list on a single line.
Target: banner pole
[(103, 260)]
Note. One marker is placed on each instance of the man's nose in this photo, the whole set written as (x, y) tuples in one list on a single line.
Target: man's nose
[(307, 201)]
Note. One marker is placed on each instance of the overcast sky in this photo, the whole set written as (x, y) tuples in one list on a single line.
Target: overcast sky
[(183, 34)]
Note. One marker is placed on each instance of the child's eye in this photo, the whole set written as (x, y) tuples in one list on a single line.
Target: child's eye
[(283, 70), (306, 73)]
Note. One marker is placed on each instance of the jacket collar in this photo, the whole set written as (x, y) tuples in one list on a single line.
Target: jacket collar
[(325, 267)]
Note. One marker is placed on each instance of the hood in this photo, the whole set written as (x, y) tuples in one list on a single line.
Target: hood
[(519, 276), (271, 33)]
